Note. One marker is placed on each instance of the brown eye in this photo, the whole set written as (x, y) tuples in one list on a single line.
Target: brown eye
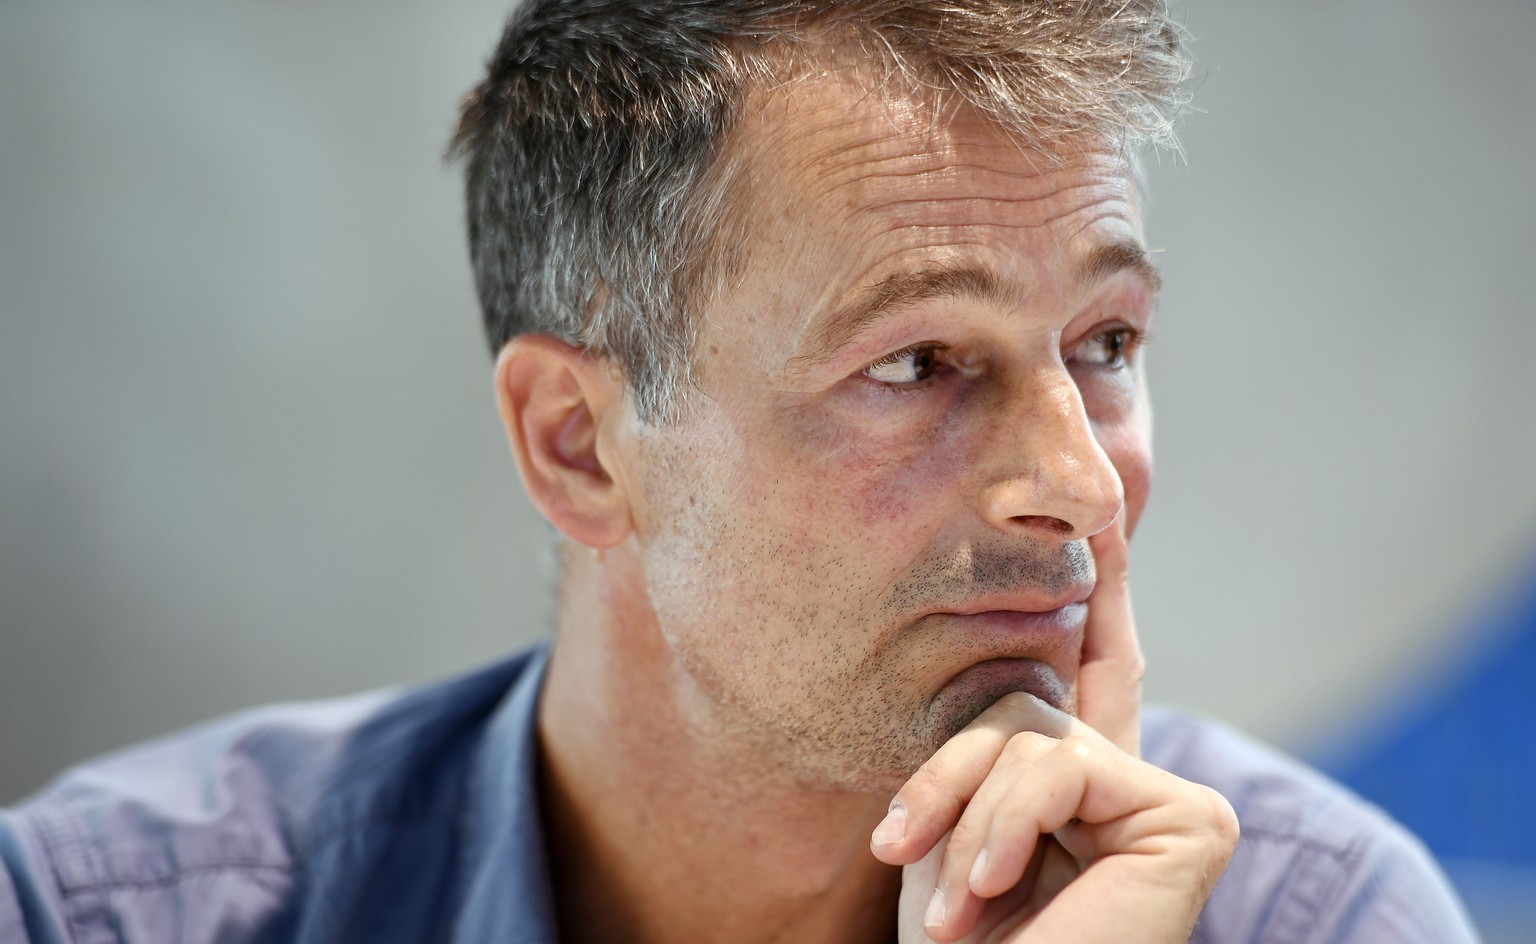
[(911, 366), (1110, 348)]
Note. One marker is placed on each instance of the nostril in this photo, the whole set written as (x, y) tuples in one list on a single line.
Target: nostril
[(1044, 523)]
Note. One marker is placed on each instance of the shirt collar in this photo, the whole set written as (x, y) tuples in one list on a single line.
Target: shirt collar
[(508, 897)]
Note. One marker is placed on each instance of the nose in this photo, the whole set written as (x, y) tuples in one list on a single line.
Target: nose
[(1051, 476)]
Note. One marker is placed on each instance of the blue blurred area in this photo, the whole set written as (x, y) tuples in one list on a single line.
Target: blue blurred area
[(1455, 758)]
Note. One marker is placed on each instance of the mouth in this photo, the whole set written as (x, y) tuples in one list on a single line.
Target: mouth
[(1014, 642), (1036, 604), (1045, 619), (1067, 620)]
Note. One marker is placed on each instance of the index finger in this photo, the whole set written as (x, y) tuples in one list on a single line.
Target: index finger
[(1109, 675), (930, 803)]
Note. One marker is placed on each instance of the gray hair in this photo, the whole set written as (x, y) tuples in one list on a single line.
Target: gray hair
[(596, 193)]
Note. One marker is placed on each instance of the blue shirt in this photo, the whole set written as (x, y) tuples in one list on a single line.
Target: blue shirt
[(413, 816)]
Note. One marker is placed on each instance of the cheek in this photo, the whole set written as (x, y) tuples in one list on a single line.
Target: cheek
[(881, 487), (1121, 418), (1129, 447)]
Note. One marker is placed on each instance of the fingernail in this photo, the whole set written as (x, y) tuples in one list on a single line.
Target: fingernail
[(978, 868), (934, 918), (893, 828)]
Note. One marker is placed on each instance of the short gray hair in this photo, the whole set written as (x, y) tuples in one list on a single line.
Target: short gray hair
[(596, 197)]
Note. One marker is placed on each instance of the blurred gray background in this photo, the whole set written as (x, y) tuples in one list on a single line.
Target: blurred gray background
[(248, 449)]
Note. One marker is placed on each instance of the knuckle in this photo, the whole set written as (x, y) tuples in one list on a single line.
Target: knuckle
[(966, 835), (1027, 745), (1015, 818), (1138, 669), (1077, 747), (1222, 818), (930, 788), (929, 778)]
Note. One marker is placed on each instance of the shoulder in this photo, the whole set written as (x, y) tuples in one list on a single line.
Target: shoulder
[(1315, 862), (221, 832)]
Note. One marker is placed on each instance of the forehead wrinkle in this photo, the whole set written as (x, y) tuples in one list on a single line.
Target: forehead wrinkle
[(867, 139), (932, 180), (948, 166), (954, 159), (846, 178), (880, 156), (1090, 197), (899, 226)]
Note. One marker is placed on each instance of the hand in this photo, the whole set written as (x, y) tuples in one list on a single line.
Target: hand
[(1032, 825)]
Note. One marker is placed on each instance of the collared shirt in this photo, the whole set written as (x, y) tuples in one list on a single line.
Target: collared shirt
[(413, 816)]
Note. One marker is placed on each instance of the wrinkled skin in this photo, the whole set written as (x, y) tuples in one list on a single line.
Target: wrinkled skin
[(884, 553), (803, 530)]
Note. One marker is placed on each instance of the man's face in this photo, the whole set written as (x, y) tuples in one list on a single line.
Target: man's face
[(918, 401)]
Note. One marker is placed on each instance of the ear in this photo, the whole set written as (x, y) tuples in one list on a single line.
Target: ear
[(554, 398)]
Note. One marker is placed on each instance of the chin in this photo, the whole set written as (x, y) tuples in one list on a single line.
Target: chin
[(870, 750), (974, 690)]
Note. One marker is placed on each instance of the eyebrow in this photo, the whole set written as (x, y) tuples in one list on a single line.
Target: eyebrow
[(896, 292), (902, 290), (1116, 257)]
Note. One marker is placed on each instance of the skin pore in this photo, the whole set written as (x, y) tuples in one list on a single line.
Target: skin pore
[(919, 400)]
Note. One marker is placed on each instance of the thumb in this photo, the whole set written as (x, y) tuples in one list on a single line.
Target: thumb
[(1109, 676)]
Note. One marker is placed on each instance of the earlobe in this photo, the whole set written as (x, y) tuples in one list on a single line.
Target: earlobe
[(553, 399)]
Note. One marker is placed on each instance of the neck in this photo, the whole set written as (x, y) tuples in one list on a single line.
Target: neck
[(658, 831)]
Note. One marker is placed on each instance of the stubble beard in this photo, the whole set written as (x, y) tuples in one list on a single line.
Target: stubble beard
[(823, 699), (861, 721)]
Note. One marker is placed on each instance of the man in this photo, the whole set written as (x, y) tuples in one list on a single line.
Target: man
[(818, 331)]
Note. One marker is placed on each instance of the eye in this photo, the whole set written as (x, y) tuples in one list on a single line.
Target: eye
[(1113, 348), (910, 366)]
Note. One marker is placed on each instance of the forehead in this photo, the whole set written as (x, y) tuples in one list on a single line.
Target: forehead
[(837, 185)]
